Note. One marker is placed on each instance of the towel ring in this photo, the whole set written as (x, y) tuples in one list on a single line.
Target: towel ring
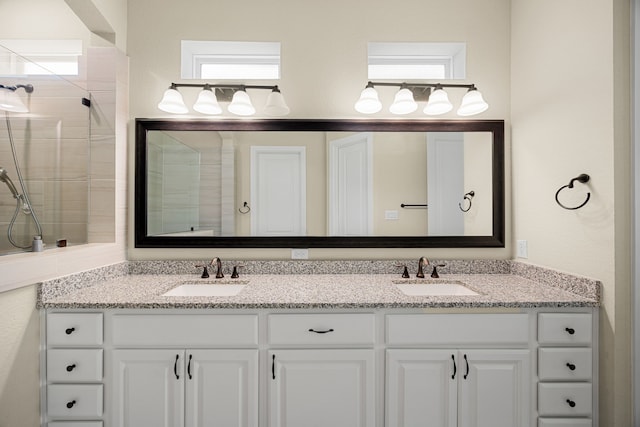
[(245, 209), (468, 197), (583, 178)]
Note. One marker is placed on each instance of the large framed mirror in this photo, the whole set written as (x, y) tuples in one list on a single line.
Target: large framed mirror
[(319, 183)]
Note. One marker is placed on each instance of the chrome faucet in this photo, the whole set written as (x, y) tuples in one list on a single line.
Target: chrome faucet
[(218, 262), (423, 261)]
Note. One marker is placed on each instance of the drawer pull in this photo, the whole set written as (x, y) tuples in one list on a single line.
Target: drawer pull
[(571, 403), (466, 374), (189, 366), (453, 359), (175, 367), (273, 367), (71, 367), (71, 404), (571, 366), (321, 332), (570, 331), (69, 331)]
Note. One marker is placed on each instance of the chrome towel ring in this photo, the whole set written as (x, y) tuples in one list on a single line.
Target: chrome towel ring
[(583, 178)]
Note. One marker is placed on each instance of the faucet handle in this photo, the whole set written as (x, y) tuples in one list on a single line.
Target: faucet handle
[(405, 272), (434, 273), (205, 271), (235, 274)]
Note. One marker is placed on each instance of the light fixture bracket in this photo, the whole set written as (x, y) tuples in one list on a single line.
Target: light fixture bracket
[(420, 93)]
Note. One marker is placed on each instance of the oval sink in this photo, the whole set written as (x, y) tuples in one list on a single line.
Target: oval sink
[(205, 290), (434, 289)]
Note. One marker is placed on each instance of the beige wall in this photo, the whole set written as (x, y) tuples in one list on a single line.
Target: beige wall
[(570, 115), (324, 68)]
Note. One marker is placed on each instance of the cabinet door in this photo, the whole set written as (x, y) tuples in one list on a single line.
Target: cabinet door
[(322, 388), (494, 388), (222, 388), (148, 388), (422, 388)]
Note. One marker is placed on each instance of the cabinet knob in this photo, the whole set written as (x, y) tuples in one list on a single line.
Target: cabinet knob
[(570, 331), (71, 367), (71, 404), (69, 331), (571, 403), (571, 366)]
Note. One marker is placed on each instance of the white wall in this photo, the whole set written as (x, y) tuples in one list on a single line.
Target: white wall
[(324, 67), (569, 116)]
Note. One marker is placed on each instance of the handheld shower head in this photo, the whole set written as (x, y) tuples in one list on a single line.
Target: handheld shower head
[(4, 177)]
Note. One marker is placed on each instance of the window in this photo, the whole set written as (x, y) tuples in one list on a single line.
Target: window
[(410, 61), (218, 60), (40, 57)]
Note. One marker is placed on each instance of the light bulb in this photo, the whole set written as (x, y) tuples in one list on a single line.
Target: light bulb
[(438, 103), (275, 104), (172, 102), (207, 103), (403, 103), (241, 104), (369, 103), (472, 103)]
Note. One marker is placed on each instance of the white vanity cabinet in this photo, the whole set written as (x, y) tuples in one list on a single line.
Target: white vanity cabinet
[(449, 387), (74, 368), (195, 388), (524, 367), (565, 369), (322, 370)]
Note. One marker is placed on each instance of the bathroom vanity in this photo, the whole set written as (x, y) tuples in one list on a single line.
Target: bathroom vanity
[(326, 350)]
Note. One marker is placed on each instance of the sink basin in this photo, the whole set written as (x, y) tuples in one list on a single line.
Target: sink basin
[(433, 288), (196, 289)]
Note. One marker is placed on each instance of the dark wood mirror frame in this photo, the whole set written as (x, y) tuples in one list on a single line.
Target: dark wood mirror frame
[(496, 127)]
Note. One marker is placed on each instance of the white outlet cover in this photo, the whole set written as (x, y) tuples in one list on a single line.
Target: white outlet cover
[(522, 250), (299, 253)]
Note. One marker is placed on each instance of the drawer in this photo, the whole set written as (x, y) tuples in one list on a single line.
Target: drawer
[(74, 365), (564, 364), (564, 399), (564, 422), (71, 329), (564, 328), (74, 401), (458, 329), (75, 424), (321, 329), (184, 330)]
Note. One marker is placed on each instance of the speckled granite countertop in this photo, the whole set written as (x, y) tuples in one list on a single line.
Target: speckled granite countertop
[(296, 291)]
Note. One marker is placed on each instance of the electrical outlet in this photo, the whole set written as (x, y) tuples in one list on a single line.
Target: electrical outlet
[(521, 249), (299, 253)]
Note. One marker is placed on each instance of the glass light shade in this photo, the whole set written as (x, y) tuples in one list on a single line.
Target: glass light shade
[(403, 103), (172, 102), (369, 102), (10, 101), (276, 105), (241, 104), (207, 103), (472, 103), (438, 103)]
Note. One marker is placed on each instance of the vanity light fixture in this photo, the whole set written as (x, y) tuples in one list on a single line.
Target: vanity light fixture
[(207, 102), (434, 93)]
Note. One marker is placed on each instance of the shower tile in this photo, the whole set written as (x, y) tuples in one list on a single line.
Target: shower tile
[(103, 158), (66, 201)]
